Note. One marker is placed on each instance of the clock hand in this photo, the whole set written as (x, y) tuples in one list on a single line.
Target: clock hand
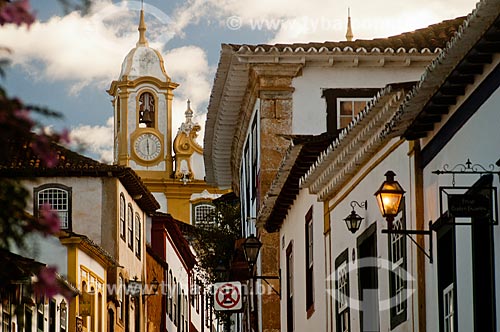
[(147, 145)]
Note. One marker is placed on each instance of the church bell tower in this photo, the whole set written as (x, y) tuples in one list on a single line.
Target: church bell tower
[(142, 101), (170, 164)]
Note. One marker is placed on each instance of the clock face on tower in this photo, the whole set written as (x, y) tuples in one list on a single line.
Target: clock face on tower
[(147, 146)]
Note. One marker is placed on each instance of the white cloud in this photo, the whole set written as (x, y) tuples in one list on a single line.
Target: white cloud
[(320, 20), (80, 49), (94, 140), (189, 67), (85, 50)]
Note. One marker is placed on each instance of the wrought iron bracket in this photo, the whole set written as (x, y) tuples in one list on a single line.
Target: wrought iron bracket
[(410, 232), (265, 278), (467, 169)]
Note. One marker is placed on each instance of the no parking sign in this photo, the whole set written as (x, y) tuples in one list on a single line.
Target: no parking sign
[(227, 296)]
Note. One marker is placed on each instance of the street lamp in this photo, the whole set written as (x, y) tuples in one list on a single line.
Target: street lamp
[(353, 220), (155, 285), (221, 272), (389, 197), (251, 248)]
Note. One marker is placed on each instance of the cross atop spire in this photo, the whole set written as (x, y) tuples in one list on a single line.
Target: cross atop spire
[(189, 112), (142, 30), (349, 35)]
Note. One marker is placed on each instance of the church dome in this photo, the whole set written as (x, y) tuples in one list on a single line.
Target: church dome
[(143, 60)]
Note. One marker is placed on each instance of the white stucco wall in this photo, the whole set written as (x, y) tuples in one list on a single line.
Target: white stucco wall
[(180, 273), (198, 166), (84, 260), (342, 238), (293, 230), (47, 250), (478, 140), (134, 266), (86, 195), (309, 108)]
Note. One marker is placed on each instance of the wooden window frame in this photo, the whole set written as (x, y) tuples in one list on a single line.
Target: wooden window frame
[(309, 245), (340, 311), (123, 217), (54, 186), (130, 227), (331, 96), (398, 261)]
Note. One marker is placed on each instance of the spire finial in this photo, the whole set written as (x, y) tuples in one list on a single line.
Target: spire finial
[(189, 112), (142, 30), (349, 35)]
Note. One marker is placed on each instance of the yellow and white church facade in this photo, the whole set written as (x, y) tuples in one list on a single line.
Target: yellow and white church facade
[(171, 167)]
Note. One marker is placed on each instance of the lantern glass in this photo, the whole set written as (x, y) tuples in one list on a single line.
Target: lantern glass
[(389, 196), (251, 249), (353, 221), (221, 272), (155, 285)]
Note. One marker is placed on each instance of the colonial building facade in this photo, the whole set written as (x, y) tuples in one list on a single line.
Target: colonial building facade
[(274, 93), (431, 266)]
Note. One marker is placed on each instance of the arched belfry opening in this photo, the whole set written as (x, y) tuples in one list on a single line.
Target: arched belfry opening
[(146, 110)]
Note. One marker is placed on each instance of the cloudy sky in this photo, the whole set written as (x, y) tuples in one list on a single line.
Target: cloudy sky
[(67, 60)]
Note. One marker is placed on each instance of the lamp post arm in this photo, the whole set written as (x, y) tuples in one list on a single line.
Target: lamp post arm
[(408, 233), (277, 292)]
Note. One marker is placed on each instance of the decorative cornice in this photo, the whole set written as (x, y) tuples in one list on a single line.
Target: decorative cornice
[(354, 145), (90, 248), (125, 84)]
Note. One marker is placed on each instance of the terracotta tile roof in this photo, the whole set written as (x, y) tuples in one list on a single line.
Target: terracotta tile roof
[(85, 239), (23, 162), (173, 228), (448, 76), (434, 37), (17, 268), (355, 143)]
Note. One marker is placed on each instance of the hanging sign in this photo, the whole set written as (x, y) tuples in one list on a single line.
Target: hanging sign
[(85, 304), (227, 296), (469, 205)]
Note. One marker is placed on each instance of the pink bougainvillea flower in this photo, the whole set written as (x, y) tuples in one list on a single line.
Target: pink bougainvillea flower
[(17, 12), (64, 136), (47, 284), (24, 115), (49, 220), (42, 148), (67, 293)]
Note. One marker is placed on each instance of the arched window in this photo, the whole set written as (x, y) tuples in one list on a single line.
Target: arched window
[(118, 115), (130, 223), (146, 110), (138, 234), (59, 198), (122, 216), (182, 307), (63, 316), (203, 213), (121, 298), (99, 312), (170, 293), (85, 318), (174, 309)]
